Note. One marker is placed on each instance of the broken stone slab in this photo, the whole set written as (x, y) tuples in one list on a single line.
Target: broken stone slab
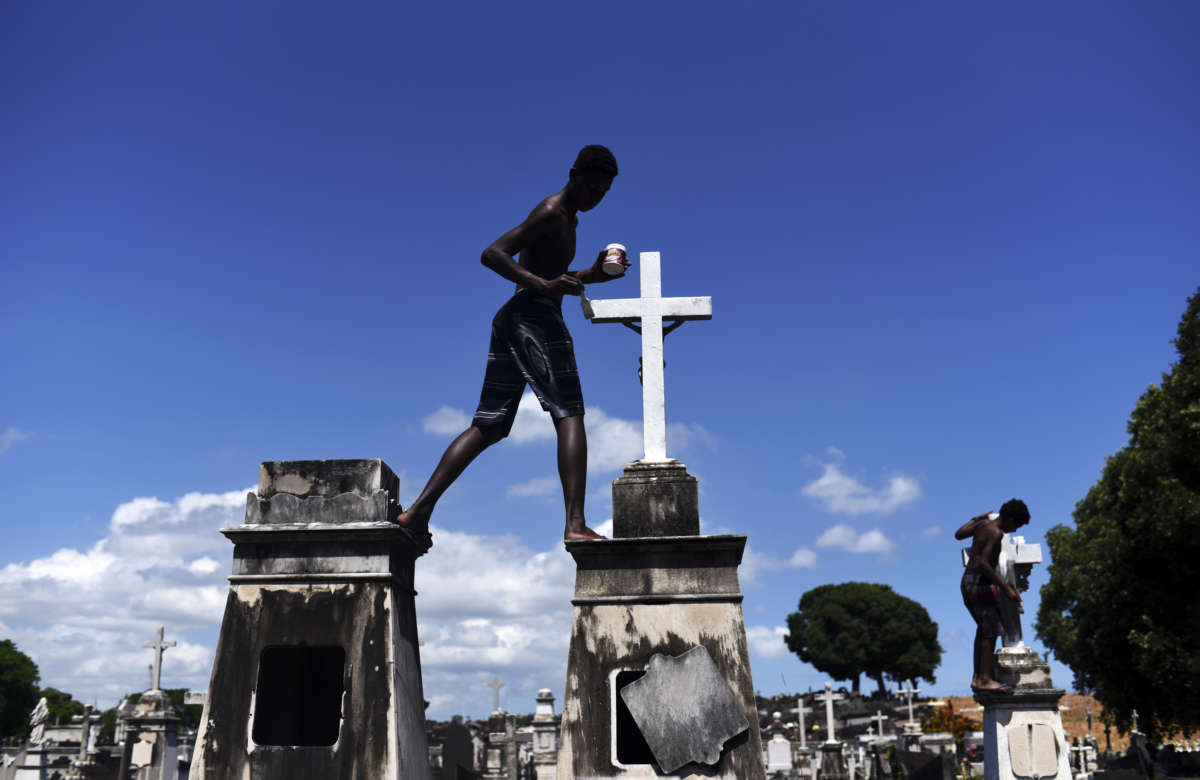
[(685, 709)]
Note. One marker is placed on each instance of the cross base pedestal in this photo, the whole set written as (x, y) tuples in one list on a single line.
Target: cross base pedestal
[(655, 498)]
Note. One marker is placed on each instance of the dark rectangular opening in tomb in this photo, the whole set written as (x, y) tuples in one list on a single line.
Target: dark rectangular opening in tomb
[(631, 745), (299, 697)]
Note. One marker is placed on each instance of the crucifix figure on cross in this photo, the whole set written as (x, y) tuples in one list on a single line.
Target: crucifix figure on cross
[(829, 697), (159, 646), (649, 311)]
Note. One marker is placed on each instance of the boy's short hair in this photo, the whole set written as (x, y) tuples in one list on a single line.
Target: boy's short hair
[(1015, 509), (596, 158)]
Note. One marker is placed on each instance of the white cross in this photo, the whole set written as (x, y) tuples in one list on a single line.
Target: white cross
[(879, 720), (495, 685), (910, 693), (159, 646), (801, 710), (650, 310), (829, 697)]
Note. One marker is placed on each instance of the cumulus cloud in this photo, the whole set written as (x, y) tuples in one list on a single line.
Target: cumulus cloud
[(767, 641), (538, 486), (82, 614), (845, 495), (487, 605), (11, 436), (803, 557), (612, 441), (446, 421), (755, 564), (850, 540)]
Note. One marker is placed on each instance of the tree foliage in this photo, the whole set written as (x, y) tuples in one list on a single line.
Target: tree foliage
[(18, 690), (1121, 607), (61, 706), (863, 628)]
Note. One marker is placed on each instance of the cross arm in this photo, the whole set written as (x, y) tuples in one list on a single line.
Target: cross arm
[(632, 309)]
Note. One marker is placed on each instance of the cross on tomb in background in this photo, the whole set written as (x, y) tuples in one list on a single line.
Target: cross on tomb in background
[(801, 710), (910, 692), (879, 720), (495, 685), (829, 697), (159, 646), (650, 310)]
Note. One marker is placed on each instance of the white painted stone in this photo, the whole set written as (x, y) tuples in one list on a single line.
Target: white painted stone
[(650, 310), (1028, 741), (829, 697)]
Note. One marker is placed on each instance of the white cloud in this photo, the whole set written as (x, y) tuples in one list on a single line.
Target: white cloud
[(755, 563), (804, 558), (933, 530), (850, 540), (767, 641), (82, 614), (843, 494), (446, 421), (11, 436), (538, 486)]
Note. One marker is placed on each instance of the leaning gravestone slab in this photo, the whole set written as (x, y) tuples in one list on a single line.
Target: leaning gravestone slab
[(685, 709)]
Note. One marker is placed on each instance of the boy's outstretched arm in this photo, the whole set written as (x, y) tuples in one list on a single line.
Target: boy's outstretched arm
[(595, 274)]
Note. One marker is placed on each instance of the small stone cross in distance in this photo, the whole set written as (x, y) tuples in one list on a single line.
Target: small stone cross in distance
[(159, 646), (495, 685)]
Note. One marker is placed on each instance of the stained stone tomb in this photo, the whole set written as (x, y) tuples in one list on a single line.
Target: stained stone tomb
[(317, 670)]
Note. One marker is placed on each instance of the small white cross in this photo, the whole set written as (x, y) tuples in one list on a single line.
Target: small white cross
[(650, 310), (829, 697), (495, 685), (159, 646), (801, 710), (879, 720), (910, 693)]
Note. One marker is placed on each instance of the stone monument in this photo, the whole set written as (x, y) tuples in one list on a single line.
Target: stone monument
[(833, 765), (151, 729), (779, 749), (657, 603), (545, 737), (317, 670), (1023, 733)]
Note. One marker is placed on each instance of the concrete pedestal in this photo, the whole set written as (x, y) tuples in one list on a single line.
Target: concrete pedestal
[(1023, 736), (151, 739), (317, 670), (635, 598), (655, 499), (833, 763)]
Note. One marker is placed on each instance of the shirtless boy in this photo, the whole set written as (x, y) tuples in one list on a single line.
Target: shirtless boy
[(530, 343), (981, 585)]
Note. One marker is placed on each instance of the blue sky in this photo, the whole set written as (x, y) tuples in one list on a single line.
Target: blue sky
[(947, 246)]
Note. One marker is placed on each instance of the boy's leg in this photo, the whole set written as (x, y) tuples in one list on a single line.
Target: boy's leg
[(572, 470), (455, 459)]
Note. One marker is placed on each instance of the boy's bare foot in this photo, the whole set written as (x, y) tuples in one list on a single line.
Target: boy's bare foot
[(581, 532), (414, 518), (991, 685)]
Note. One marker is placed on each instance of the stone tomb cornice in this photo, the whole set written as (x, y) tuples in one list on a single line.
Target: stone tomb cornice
[(661, 569)]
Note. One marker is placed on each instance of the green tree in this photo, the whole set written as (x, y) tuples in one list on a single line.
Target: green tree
[(61, 705), (1120, 607), (18, 690), (860, 628)]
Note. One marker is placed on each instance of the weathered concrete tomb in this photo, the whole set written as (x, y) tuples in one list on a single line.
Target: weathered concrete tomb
[(658, 674), (317, 671)]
